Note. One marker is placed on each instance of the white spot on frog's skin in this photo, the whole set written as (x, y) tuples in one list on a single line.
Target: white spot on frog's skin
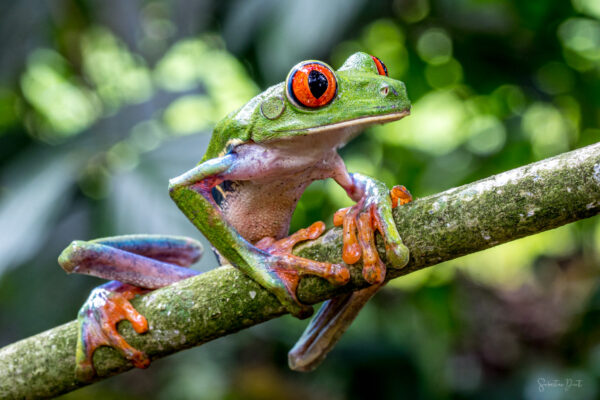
[(252, 294), (596, 174), (485, 235), (569, 189), (590, 205), (98, 302), (531, 213)]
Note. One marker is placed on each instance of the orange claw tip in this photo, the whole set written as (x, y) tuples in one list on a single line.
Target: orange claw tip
[(140, 325), (374, 274), (339, 275), (343, 274), (400, 195), (338, 217), (351, 254), (140, 360), (315, 230)]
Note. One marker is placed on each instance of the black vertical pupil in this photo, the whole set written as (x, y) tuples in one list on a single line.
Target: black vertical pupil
[(317, 83)]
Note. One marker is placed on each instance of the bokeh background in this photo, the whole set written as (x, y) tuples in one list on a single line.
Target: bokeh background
[(102, 101)]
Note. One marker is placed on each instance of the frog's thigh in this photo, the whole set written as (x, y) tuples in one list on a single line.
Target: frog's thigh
[(327, 327), (178, 250), (110, 261)]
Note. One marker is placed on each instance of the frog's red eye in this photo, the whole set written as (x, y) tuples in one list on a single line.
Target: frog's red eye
[(311, 84), (381, 68)]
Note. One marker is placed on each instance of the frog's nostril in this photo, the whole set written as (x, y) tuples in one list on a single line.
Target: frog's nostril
[(384, 90)]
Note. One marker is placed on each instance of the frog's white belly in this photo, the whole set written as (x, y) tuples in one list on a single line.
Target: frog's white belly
[(260, 199), (261, 208), (257, 211), (261, 195)]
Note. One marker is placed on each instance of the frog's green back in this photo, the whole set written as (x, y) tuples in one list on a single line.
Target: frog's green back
[(237, 126)]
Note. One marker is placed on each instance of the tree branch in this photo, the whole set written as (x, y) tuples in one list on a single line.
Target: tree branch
[(459, 221)]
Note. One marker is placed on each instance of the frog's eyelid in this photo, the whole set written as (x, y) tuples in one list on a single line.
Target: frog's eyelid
[(381, 68)]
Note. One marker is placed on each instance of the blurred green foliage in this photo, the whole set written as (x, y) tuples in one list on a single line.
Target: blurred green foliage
[(102, 102)]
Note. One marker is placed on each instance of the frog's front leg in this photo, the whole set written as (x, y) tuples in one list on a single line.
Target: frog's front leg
[(270, 262), (372, 212), (147, 261)]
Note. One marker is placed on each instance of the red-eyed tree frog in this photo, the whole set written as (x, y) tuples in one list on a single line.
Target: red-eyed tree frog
[(241, 196)]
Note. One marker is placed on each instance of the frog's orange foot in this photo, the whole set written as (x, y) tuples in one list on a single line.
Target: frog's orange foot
[(359, 224), (290, 268), (97, 320), (372, 213)]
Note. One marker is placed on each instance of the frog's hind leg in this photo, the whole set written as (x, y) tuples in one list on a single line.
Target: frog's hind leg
[(326, 328), (146, 261)]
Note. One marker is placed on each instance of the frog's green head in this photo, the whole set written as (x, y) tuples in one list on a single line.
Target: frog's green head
[(316, 99)]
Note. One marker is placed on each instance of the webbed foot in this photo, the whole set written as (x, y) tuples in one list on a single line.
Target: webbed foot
[(288, 268), (373, 212), (97, 321)]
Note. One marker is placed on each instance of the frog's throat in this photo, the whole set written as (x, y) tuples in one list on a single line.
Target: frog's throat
[(353, 123)]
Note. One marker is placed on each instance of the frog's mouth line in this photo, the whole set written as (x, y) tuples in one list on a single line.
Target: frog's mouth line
[(352, 123)]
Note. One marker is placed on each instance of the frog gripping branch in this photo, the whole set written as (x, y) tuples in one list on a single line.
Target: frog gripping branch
[(241, 197)]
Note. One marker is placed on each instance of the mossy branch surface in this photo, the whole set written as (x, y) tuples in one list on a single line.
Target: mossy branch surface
[(459, 221)]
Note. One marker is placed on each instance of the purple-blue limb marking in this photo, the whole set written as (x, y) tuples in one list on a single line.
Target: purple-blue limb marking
[(147, 261)]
